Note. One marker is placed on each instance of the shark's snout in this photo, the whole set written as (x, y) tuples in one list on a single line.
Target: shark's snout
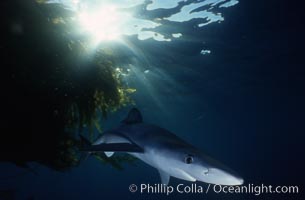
[(221, 177)]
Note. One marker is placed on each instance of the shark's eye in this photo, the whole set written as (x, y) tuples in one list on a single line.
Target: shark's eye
[(188, 159)]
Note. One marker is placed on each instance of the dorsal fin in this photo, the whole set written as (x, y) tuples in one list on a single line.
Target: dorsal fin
[(134, 116)]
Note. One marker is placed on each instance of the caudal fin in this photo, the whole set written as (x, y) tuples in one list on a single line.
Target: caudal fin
[(84, 141)]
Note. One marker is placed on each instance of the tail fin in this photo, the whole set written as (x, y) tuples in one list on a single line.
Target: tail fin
[(84, 141)]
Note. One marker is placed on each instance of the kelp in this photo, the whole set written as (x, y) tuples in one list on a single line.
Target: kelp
[(56, 89)]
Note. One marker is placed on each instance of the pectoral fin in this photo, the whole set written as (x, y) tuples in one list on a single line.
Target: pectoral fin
[(184, 175), (164, 177)]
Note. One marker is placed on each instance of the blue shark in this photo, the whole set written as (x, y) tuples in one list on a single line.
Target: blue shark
[(163, 150)]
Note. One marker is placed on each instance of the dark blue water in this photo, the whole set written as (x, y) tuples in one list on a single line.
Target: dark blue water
[(243, 104)]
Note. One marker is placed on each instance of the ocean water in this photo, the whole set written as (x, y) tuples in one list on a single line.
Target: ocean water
[(232, 85)]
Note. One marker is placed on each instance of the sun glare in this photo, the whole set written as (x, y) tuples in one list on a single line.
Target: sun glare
[(103, 23)]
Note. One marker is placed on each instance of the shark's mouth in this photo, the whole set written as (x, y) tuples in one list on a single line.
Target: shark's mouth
[(205, 173)]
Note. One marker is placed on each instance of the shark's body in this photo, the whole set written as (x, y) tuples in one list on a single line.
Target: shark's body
[(163, 150)]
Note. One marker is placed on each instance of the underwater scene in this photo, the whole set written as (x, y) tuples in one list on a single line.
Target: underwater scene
[(152, 99)]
